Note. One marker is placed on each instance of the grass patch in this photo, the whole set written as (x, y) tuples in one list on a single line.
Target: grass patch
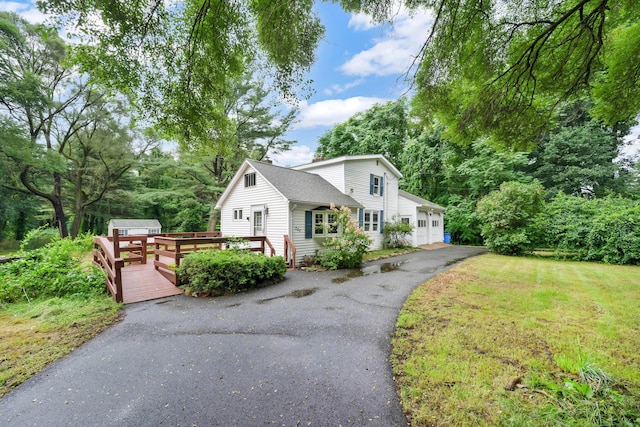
[(564, 335), (36, 334)]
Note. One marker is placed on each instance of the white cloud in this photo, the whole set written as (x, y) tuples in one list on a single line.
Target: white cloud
[(394, 51), (361, 22), (335, 89), (332, 111), (297, 155), (27, 10)]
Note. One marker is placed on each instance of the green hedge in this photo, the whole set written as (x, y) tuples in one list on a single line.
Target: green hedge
[(52, 271), (605, 229), (223, 271)]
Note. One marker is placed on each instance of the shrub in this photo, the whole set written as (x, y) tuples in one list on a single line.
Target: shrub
[(222, 271), (395, 233), (347, 249), (606, 229), (508, 215), (52, 271), (39, 237)]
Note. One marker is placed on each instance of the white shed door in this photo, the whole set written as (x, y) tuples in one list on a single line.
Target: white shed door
[(422, 229)]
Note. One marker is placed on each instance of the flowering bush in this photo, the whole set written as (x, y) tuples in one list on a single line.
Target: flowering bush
[(396, 233), (346, 249)]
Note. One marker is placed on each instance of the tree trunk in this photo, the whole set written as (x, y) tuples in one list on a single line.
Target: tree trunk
[(58, 210), (213, 220)]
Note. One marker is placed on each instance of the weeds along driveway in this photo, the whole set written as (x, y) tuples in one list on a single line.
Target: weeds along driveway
[(310, 351)]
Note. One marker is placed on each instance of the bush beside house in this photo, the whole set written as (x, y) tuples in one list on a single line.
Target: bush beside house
[(218, 272)]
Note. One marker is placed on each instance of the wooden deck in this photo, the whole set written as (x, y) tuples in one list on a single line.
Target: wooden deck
[(141, 282)]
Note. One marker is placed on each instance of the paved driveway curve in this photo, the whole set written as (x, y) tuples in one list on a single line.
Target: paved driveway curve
[(310, 351)]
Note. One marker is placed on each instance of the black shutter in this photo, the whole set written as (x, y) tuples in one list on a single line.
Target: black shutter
[(308, 224)]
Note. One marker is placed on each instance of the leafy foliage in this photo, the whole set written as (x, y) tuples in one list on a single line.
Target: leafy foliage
[(39, 237), (501, 68), (507, 217), (578, 160), (52, 271), (345, 250), (396, 232), (380, 129), (180, 61), (605, 229), (66, 145), (231, 270)]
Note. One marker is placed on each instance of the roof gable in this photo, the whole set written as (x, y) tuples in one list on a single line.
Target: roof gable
[(293, 185), (421, 202), (134, 223), (343, 159)]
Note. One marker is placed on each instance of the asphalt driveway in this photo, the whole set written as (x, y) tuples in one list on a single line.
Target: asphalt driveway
[(310, 351)]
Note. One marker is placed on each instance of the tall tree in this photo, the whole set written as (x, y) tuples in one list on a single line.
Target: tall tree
[(382, 129), (578, 160), (65, 119), (500, 67), (180, 60)]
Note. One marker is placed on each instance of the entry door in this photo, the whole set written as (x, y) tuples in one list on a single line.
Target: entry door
[(258, 219)]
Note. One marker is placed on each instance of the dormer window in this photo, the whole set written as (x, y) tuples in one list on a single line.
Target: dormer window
[(250, 179)]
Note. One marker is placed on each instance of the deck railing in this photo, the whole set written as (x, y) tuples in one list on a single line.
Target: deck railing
[(175, 248), (289, 252), (103, 257), (135, 246)]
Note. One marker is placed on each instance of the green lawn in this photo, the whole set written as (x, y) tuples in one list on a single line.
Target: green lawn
[(37, 333), (494, 321)]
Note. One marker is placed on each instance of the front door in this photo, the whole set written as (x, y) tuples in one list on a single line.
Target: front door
[(257, 221)]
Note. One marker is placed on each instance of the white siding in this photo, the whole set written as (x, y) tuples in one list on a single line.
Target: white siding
[(275, 222), (333, 173), (407, 208), (357, 175), (305, 246)]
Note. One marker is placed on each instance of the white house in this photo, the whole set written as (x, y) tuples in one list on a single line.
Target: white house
[(135, 226), (263, 199)]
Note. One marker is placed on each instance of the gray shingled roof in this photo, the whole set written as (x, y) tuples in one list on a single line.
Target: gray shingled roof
[(422, 202), (302, 187), (135, 223)]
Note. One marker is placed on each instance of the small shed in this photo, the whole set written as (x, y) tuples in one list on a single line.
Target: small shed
[(128, 227)]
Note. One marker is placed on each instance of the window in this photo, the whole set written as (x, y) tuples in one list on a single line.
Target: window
[(371, 220), (324, 224), (237, 215), (422, 223), (122, 232), (405, 220), (250, 179), (435, 223), (376, 185), (153, 231)]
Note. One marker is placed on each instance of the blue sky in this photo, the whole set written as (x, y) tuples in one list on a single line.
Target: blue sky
[(359, 64)]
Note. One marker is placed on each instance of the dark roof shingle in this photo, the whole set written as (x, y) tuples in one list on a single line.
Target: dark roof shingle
[(302, 187)]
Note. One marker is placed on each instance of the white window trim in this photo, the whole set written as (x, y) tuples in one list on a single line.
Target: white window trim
[(368, 226), (325, 220), (376, 186), (237, 214)]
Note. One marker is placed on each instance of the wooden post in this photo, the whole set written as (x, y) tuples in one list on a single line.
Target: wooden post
[(116, 243), (118, 279)]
